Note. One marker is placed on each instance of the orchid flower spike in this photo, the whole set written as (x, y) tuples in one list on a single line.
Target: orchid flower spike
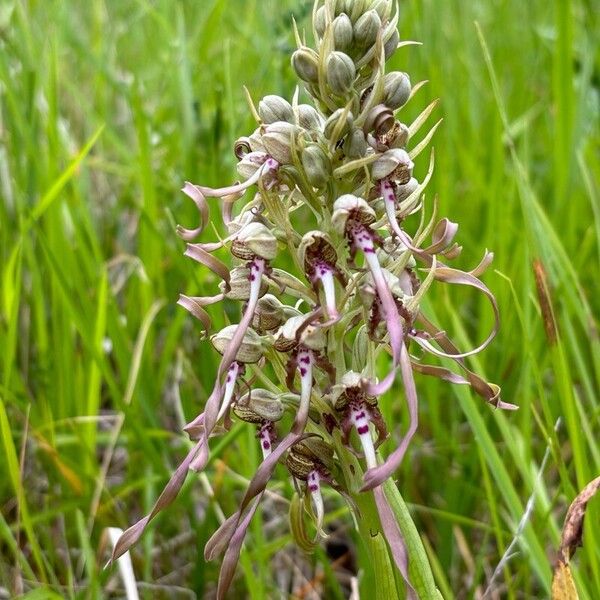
[(328, 270)]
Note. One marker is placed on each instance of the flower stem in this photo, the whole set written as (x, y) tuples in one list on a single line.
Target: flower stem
[(381, 564), (419, 569), (388, 582)]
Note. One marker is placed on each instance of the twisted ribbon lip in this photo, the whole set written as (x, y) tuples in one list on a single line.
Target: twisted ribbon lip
[(393, 319), (440, 241), (377, 475), (130, 536), (490, 392), (449, 275), (270, 164), (232, 532), (195, 193), (212, 404)]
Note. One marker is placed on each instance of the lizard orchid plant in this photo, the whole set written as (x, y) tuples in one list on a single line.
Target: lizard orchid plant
[(331, 253)]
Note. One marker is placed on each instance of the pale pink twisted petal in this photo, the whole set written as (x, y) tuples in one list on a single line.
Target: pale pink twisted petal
[(130, 536), (269, 165), (376, 476), (232, 531)]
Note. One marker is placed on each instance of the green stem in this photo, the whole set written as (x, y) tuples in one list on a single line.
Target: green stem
[(388, 583), (380, 562), (419, 569)]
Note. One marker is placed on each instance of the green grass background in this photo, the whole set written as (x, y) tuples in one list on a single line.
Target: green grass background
[(106, 107)]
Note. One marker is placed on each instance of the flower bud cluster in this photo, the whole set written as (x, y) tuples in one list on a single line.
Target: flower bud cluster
[(328, 275)]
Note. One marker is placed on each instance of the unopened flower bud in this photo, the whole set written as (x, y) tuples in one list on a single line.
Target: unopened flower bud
[(259, 405), (340, 73), (382, 8), (366, 29), (316, 165), (269, 314), (396, 89), (320, 21), (394, 164), (274, 108), (350, 206), (306, 64), (355, 145), (342, 32), (255, 239), (340, 121), (239, 284), (308, 117), (355, 8), (277, 140), (250, 350), (391, 45)]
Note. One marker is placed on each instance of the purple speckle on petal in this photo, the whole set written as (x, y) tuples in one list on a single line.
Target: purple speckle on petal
[(302, 371), (313, 488), (363, 429)]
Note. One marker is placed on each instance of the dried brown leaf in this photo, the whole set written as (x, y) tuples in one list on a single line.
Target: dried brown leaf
[(563, 586), (573, 528)]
